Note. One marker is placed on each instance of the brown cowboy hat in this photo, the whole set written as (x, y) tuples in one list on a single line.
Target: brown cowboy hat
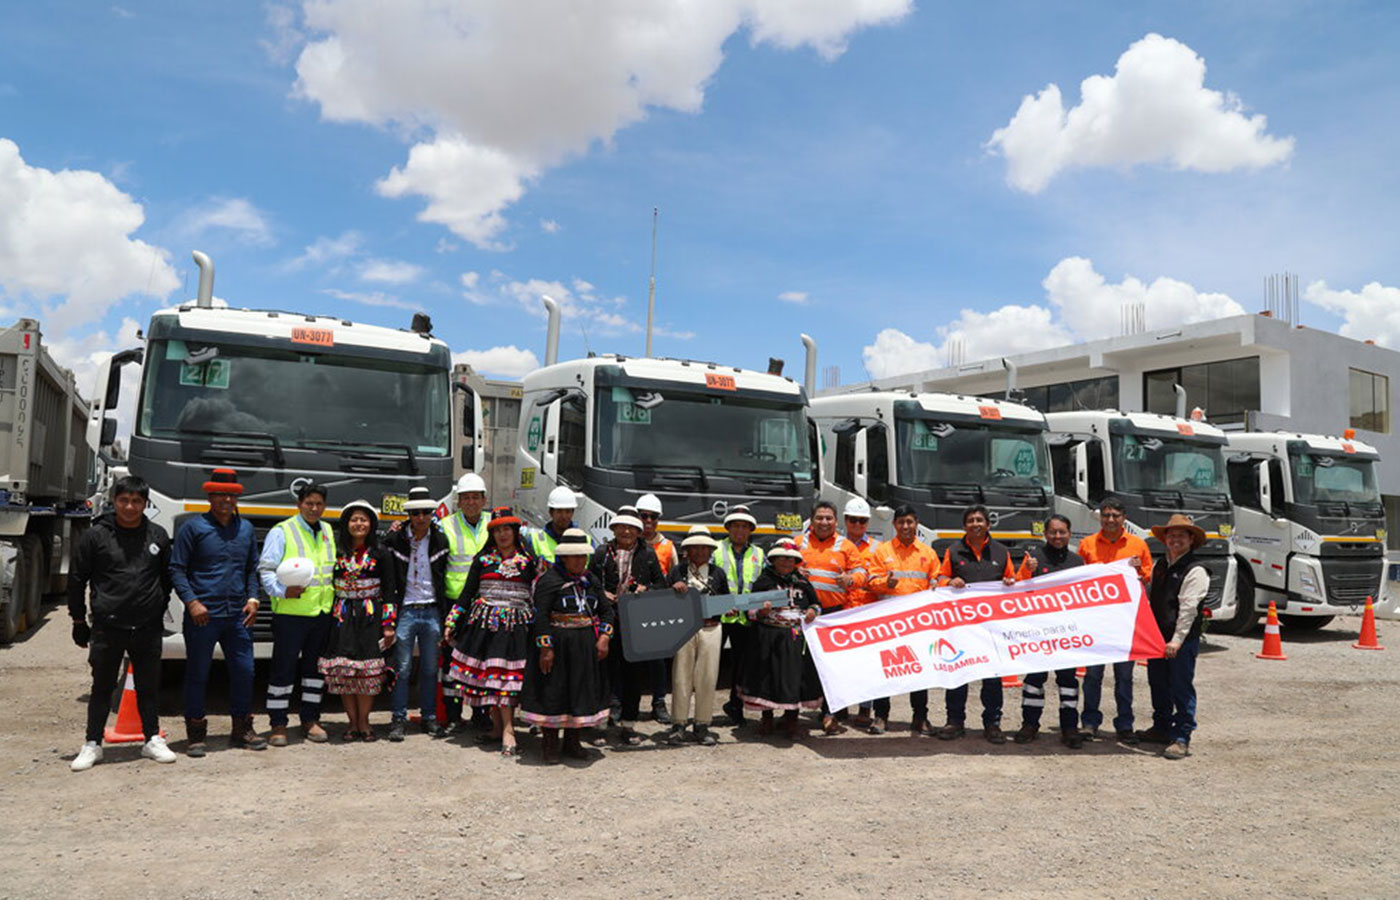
[(1198, 534)]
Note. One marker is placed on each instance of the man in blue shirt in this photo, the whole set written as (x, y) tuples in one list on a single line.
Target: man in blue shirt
[(214, 566)]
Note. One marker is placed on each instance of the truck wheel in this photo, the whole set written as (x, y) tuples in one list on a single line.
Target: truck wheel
[(1304, 623), (37, 582), (1245, 615), (11, 605)]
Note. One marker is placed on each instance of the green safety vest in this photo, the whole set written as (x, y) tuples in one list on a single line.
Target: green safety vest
[(753, 564), (299, 541), (463, 544), (542, 543)]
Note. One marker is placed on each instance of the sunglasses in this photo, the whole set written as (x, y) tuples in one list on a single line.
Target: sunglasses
[(647, 516), (420, 512)]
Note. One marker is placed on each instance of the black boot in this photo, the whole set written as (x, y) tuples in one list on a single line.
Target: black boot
[(244, 735), (573, 747), (196, 730), (550, 748)]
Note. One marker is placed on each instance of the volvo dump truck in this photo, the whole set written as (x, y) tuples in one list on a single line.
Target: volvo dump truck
[(1309, 526), (939, 453), (284, 398), (45, 476), (703, 437), (1156, 466)]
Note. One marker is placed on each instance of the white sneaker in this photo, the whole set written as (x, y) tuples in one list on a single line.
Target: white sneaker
[(156, 749), (89, 756)]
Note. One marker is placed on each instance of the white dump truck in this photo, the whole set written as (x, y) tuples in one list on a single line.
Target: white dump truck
[(1309, 526)]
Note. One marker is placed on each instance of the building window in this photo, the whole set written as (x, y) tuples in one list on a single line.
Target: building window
[(1067, 396), (1227, 390), (1370, 401)]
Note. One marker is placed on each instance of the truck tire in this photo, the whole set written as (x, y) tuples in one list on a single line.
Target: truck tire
[(11, 606), (37, 582), (1304, 623), (1245, 616)]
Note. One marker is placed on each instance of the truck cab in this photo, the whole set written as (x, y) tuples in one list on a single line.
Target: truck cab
[(1309, 526), (1156, 466), (702, 437), (939, 453)]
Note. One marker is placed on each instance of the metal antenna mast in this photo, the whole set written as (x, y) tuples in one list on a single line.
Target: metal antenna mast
[(651, 287)]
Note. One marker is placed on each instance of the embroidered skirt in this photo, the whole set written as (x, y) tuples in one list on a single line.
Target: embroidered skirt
[(490, 652)]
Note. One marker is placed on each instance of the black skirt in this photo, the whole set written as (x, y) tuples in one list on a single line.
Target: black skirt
[(777, 672), (489, 654), (575, 692), (352, 662)]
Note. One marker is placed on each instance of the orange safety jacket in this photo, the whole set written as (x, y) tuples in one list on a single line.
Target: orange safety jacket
[(915, 565), (870, 568), (824, 561), (1097, 549), (665, 552), (990, 561)]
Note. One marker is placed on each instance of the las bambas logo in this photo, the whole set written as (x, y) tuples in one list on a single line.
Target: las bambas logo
[(943, 657)]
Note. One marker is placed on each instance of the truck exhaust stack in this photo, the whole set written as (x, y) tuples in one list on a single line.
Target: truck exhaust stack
[(205, 298), (551, 337), (810, 371)]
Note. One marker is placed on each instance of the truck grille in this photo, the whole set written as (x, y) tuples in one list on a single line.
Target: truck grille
[(1351, 581)]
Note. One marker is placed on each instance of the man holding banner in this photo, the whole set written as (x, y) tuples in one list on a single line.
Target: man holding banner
[(1053, 556), (905, 565), (973, 558), (1178, 589)]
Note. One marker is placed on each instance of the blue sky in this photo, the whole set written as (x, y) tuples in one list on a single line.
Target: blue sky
[(827, 168)]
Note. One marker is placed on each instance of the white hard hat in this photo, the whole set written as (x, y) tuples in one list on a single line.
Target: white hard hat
[(470, 482), (857, 508), (296, 571), (649, 503), (562, 498)]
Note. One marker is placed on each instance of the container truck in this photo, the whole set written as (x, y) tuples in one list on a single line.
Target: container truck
[(45, 475), (1309, 526)]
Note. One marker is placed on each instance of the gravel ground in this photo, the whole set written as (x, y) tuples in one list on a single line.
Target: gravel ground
[(1290, 791)]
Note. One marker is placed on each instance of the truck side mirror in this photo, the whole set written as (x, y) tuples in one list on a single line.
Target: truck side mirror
[(1081, 472), (1266, 500), (862, 464), (109, 431)]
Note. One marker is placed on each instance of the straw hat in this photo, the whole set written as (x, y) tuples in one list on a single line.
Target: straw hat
[(785, 548), (573, 542), (1198, 534), (699, 536)]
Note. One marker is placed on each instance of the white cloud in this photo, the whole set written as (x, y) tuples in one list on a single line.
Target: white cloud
[(1372, 314), (233, 214), (503, 91), (284, 37), (549, 226), (390, 271), (66, 236), (470, 280), (1082, 306), (509, 361), (327, 252), (445, 246), (798, 297), (371, 298), (1092, 308), (1155, 108)]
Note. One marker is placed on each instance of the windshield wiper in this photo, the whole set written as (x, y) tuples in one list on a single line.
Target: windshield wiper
[(958, 485), (258, 435), (407, 449), (698, 471)]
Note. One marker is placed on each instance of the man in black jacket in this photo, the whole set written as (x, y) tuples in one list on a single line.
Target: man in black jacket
[(125, 557), (1052, 556), (420, 554), (622, 565)]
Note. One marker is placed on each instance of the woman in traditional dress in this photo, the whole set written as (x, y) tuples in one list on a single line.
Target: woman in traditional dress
[(778, 671), (566, 680), (489, 627), (367, 597)]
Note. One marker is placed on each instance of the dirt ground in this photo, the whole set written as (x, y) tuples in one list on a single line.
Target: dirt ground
[(1291, 791)]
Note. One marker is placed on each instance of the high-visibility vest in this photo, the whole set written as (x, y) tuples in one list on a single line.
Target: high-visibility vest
[(665, 553), (463, 544), (542, 543), (824, 565), (317, 597), (752, 566)]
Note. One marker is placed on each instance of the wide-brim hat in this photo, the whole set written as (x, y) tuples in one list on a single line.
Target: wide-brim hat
[(503, 515), (364, 506), (626, 520), (740, 514), (785, 549), (699, 536), (419, 498), (223, 481), (573, 542), (1198, 534)]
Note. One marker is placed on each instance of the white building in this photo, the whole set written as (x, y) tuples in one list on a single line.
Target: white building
[(1251, 371)]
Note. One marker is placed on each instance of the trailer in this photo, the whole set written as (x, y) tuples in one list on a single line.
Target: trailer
[(45, 476)]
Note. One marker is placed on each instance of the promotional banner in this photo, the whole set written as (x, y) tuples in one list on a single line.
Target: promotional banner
[(950, 636)]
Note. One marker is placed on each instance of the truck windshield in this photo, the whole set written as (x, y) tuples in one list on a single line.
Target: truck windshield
[(932, 452), (1319, 477), (299, 398), (672, 429), (1147, 463)]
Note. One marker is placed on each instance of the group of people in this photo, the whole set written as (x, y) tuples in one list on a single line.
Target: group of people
[(520, 624)]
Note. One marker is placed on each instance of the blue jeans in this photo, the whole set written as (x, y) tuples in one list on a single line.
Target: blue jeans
[(1173, 686), (955, 700), (1122, 696), (227, 632), (420, 624)]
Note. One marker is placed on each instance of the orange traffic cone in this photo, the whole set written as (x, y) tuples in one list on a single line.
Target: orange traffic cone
[(1080, 672), (1273, 644), (1368, 630), (128, 728), (1011, 681)]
